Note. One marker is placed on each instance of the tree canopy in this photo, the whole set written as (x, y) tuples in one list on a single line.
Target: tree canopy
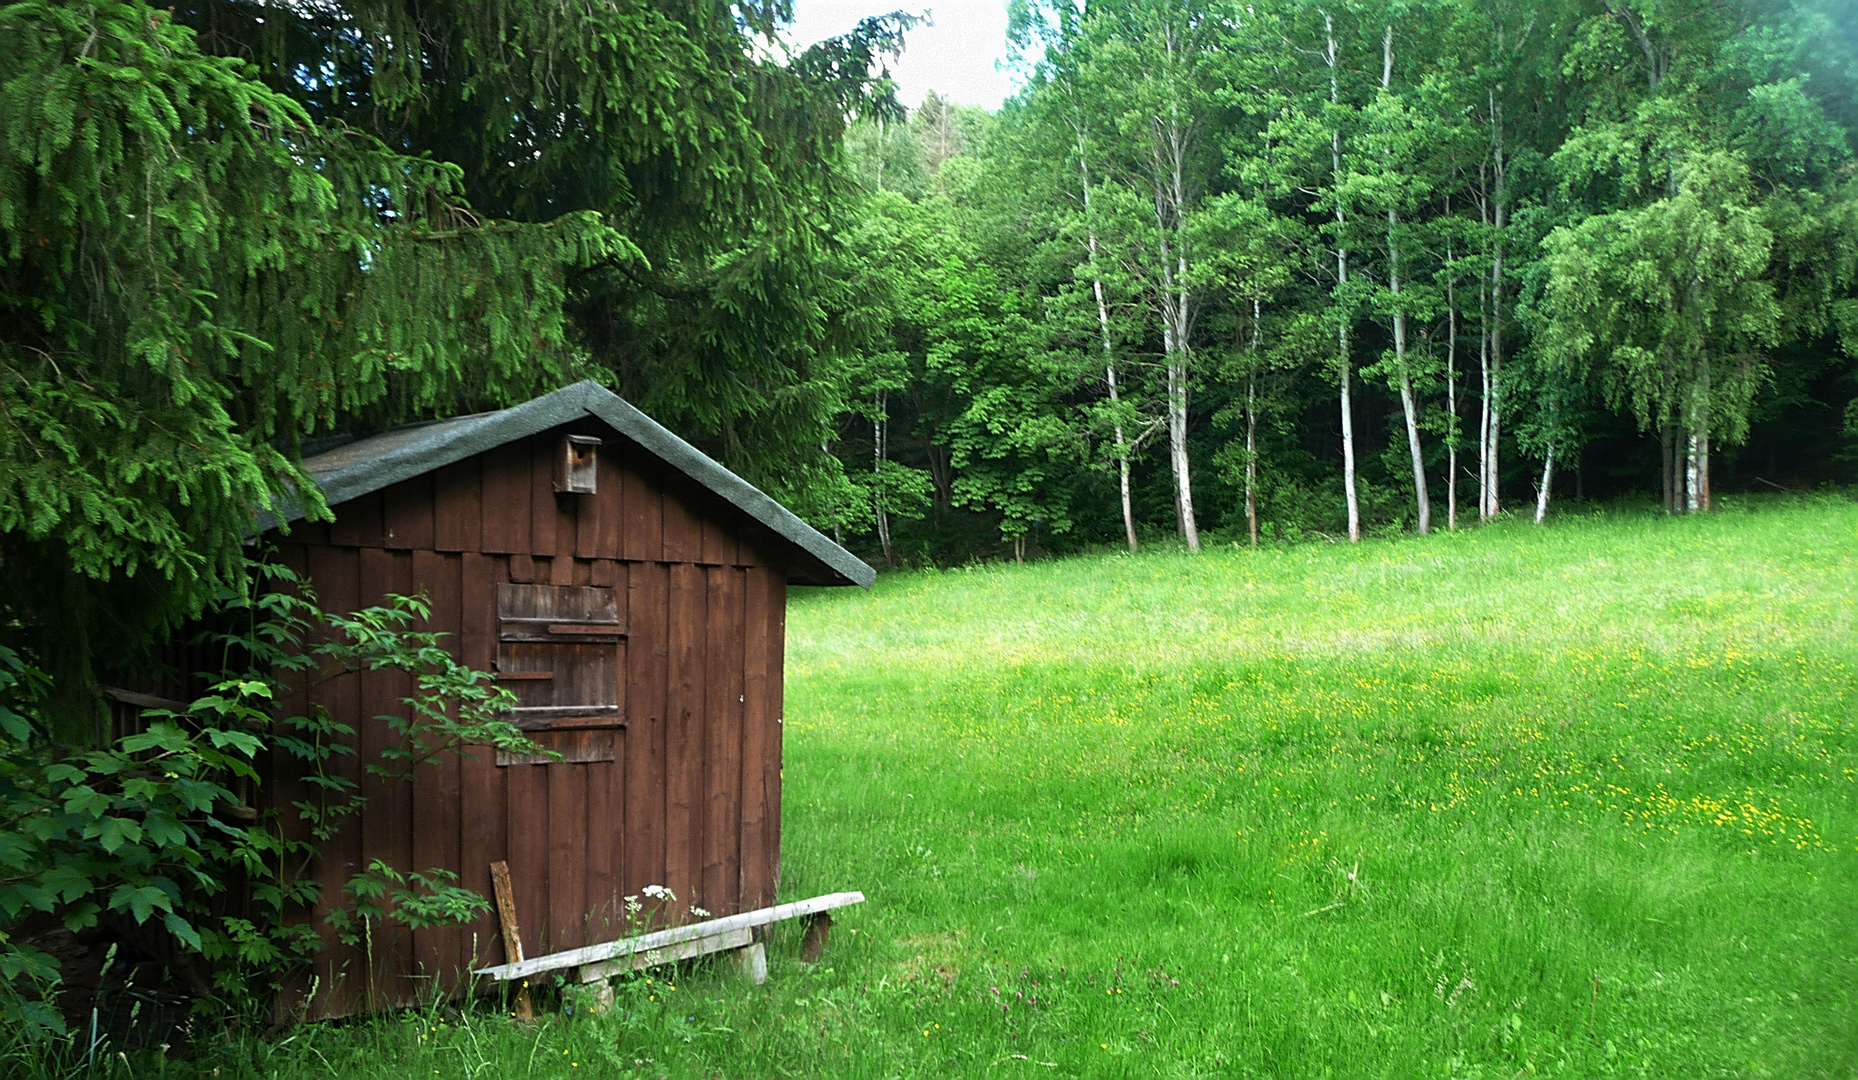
[(231, 227)]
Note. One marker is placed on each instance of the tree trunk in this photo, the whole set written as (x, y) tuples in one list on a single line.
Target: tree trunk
[(1408, 404), (1109, 353), (1484, 480), (1500, 218), (1548, 481), (1251, 430), (877, 475), (1667, 439), (1332, 57), (1700, 444), (1692, 489), (1451, 401), (1168, 163)]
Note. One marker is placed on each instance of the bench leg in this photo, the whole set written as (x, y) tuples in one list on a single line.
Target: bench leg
[(818, 929), (752, 961), (601, 1000)]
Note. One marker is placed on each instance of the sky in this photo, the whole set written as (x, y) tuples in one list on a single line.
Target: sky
[(955, 57)]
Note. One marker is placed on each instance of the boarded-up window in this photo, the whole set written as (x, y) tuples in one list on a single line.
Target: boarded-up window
[(561, 651)]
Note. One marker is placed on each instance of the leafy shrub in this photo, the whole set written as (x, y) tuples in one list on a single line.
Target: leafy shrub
[(149, 829)]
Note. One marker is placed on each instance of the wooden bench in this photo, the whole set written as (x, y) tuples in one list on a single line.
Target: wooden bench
[(596, 963)]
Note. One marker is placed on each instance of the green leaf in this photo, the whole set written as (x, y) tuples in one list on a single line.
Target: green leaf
[(182, 930), (114, 832), (86, 801), (141, 902), (14, 725)]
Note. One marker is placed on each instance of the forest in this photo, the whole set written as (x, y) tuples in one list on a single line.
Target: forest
[(1302, 269)]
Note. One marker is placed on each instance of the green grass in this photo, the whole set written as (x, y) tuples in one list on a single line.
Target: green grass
[(1570, 801)]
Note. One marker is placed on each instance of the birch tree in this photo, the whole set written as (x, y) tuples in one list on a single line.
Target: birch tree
[(1149, 64), (1669, 305)]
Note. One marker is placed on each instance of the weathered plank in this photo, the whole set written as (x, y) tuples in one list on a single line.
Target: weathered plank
[(647, 657), (684, 723), (408, 515), (512, 933), (683, 950), (457, 507), (720, 886), (659, 939)]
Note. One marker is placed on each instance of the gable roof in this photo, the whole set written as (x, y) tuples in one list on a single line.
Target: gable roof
[(369, 464)]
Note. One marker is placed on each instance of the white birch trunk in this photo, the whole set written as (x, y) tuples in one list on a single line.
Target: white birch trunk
[(1332, 58), (877, 476), (1408, 403), (1692, 502), (1500, 218), (1483, 413), (1548, 482), (1451, 399), (1700, 441), (1168, 162), (1109, 353), (1251, 429)]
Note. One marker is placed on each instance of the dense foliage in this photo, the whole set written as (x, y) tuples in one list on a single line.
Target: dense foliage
[(1311, 268), (154, 837), (230, 226)]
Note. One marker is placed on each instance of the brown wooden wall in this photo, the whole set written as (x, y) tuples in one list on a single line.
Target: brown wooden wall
[(691, 797)]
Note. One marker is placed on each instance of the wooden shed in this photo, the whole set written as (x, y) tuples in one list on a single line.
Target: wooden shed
[(632, 593)]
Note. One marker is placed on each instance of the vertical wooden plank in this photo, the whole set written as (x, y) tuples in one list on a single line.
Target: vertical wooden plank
[(605, 842), (542, 509), (345, 530), (771, 761), (408, 514), (722, 751), (439, 951), (522, 569), (642, 534), (481, 782), (387, 820), (610, 518), (310, 534), (529, 831), (684, 732), (561, 570), (647, 682), (606, 802), (567, 853), (683, 529), (588, 511), (604, 573), (757, 886), (505, 503), (456, 506), (335, 574), (358, 522), (719, 543)]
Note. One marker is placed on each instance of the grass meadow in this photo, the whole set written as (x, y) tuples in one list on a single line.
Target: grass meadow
[(1579, 800)]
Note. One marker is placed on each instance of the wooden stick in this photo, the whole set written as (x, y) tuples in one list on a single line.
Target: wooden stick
[(512, 934), (593, 954)]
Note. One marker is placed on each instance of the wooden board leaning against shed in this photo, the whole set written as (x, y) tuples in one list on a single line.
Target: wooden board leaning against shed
[(631, 593)]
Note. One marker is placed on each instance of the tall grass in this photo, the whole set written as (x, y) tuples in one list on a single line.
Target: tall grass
[(1568, 801)]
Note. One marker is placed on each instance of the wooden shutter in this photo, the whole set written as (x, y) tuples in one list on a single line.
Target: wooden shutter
[(561, 650)]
